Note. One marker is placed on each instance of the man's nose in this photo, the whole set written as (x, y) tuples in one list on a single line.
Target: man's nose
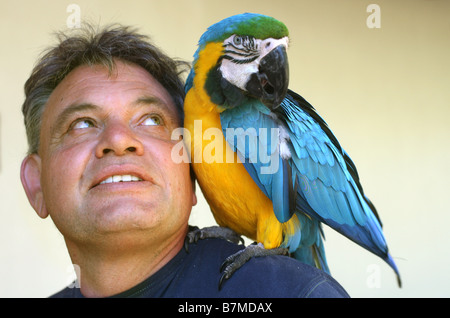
[(120, 139)]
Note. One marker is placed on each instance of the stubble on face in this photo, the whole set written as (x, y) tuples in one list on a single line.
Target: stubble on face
[(96, 126)]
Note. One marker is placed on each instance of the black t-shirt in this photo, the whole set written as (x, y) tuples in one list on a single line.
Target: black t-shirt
[(196, 274)]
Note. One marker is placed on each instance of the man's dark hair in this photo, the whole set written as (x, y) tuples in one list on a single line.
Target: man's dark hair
[(90, 47)]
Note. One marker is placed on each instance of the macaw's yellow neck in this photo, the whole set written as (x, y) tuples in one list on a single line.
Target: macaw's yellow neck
[(207, 59), (234, 198)]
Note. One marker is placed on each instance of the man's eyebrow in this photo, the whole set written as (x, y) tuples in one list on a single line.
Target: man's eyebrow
[(69, 111), (150, 100), (169, 110)]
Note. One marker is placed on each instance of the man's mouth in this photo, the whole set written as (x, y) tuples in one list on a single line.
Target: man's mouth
[(121, 178)]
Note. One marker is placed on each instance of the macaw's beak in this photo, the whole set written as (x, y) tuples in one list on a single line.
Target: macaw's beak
[(270, 83)]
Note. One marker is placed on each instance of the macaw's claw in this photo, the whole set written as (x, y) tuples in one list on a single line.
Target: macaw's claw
[(235, 261), (225, 233)]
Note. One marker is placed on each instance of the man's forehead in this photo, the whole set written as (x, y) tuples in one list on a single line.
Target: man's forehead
[(98, 82), (86, 76)]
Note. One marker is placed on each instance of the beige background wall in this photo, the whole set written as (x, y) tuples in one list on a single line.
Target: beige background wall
[(383, 91)]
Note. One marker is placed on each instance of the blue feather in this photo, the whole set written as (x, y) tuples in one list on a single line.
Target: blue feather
[(328, 188), (280, 193)]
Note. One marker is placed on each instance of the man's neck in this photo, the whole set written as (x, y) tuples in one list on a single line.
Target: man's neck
[(109, 271)]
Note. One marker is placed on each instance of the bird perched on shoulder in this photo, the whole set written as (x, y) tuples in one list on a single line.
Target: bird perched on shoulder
[(267, 163)]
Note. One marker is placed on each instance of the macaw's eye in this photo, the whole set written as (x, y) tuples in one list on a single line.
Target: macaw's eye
[(152, 120), (237, 40)]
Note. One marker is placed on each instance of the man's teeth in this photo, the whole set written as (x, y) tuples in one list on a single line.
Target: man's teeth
[(121, 178)]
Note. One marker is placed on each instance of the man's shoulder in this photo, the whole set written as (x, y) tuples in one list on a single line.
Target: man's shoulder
[(68, 292), (282, 276), (195, 272), (268, 276)]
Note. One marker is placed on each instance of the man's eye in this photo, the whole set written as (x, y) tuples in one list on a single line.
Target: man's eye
[(83, 123), (152, 120)]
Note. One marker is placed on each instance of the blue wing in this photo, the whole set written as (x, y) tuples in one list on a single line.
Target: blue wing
[(253, 133), (319, 179)]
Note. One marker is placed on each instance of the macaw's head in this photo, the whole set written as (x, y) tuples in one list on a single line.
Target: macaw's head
[(243, 57)]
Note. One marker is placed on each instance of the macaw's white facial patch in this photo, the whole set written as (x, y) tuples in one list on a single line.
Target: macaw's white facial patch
[(242, 55)]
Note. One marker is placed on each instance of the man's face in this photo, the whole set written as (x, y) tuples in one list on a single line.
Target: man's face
[(105, 155)]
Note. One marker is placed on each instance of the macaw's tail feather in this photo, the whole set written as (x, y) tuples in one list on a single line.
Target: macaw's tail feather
[(391, 263), (313, 256), (303, 236), (319, 257)]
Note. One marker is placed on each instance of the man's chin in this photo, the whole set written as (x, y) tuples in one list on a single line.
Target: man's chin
[(117, 229), (127, 214)]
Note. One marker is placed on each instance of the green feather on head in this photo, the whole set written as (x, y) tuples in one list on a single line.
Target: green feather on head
[(251, 24)]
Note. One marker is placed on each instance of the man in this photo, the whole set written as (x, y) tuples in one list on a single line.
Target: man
[(99, 111)]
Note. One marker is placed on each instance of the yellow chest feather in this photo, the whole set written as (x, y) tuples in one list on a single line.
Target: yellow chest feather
[(234, 198)]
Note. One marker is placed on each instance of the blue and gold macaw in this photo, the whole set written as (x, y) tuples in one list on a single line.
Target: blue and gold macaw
[(267, 163)]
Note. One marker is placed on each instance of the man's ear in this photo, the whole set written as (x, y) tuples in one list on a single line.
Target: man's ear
[(30, 175), (194, 199), (193, 178)]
